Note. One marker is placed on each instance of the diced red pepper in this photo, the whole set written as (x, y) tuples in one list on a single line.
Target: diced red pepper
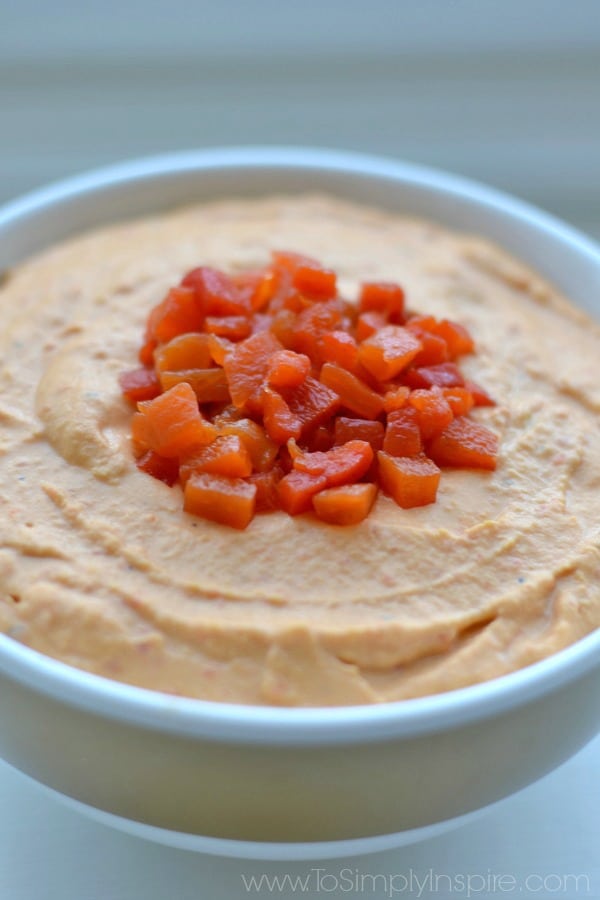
[(160, 467), (352, 392), (229, 501), (443, 375), (389, 351), (209, 385), (226, 455), (410, 480), (246, 368), (140, 384), (234, 328), (359, 430), (340, 348), (186, 351), (237, 357), (457, 338), (314, 281), (174, 424), (368, 324), (385, 297), (312, 323), (267, 492), (259, 445), (179, 312), (281, 423), (340, 465), (287, 369), (395, 398), (432, 411), (459, 399), (465, 443), (216, 292), (296, 490), (480, 396), (313, 403), (402, 433), (345, 505)]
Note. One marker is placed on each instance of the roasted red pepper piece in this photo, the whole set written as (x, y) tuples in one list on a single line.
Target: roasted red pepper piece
[(443, 375), (179, 313), (340, 465), (410, 480), (315, 281), (359, 430), (385, 297), (280, 422), (457, 338), (402, 433), (226, 455), (352, 392), (216, 293), (465, 443), (345, 505), (140, 384), (160, 467), (340, 348), (432, 410), (287, 369), (186, 351), (313, 403), (229, 501), (480, 396), (296, 490), (246, 368), (174, 425), (389, 351), (234, 328)]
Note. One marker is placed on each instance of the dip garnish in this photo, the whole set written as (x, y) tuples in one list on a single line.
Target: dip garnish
[(268, 390)]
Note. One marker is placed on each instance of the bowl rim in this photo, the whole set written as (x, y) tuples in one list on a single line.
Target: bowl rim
[(246, 724)]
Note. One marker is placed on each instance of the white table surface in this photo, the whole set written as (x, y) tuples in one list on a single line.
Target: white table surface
[(542, 843)]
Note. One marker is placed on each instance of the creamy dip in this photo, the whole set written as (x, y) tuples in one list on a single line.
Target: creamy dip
[(101, 568)]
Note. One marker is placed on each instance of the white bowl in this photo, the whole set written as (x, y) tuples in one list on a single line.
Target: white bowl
[(287, 783)]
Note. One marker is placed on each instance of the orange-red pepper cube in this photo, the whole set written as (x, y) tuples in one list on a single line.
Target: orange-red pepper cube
[(345, 505), (402, 433), (296, 490), (340, 465), (466, 444), (410, 480), (174, 422), (229, 501), (389, 351)]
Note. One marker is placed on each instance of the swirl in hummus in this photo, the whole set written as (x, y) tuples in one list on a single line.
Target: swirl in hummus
[(100, 567)]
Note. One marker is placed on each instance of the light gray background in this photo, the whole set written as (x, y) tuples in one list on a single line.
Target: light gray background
[(549, 833), (506, 91)]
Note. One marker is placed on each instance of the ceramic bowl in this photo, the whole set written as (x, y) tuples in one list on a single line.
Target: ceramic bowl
[(294, 783)]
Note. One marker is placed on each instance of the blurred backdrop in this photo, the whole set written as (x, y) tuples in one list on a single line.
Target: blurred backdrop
[(505, 91)]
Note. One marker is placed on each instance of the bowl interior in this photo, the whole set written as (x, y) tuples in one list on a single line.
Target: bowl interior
[(148, 186)]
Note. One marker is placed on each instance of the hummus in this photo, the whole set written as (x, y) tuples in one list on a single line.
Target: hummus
[(101, 568)]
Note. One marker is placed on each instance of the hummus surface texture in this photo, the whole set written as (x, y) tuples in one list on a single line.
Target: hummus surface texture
[(101, 568)]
